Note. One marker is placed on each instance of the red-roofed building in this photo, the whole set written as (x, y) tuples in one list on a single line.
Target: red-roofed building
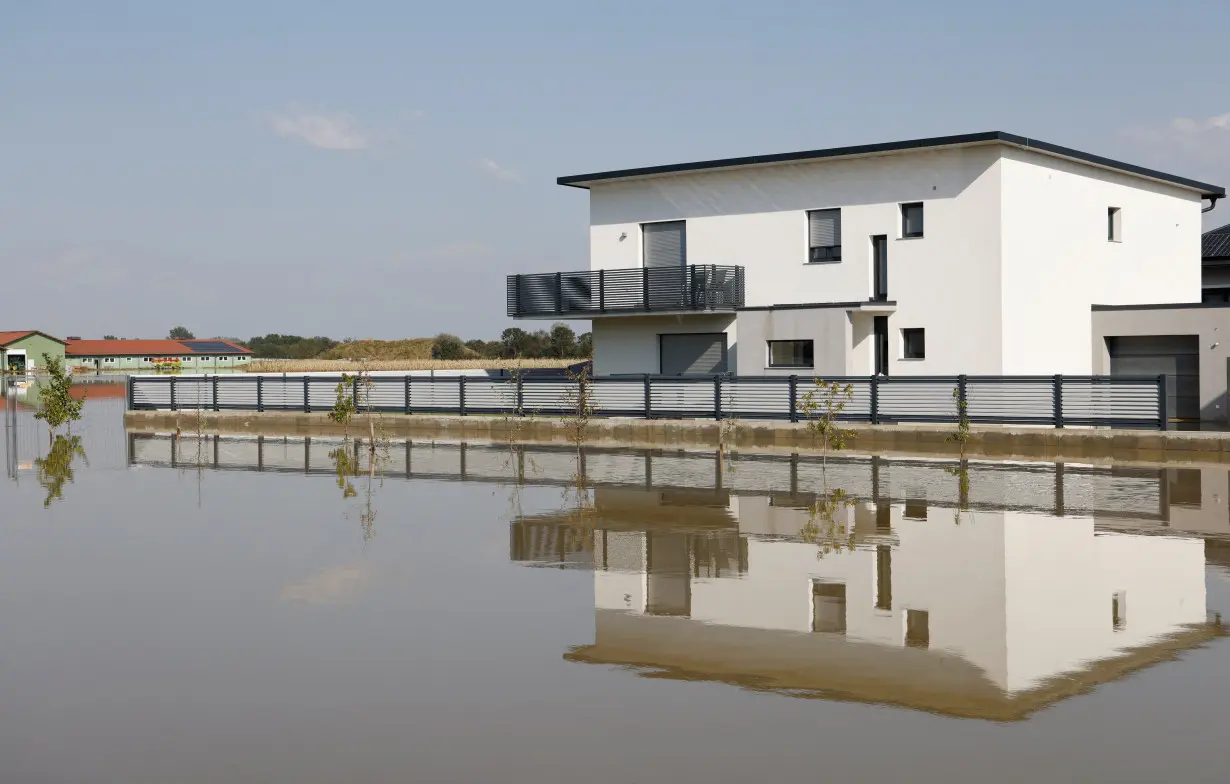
[(204, 354), (23, 349)]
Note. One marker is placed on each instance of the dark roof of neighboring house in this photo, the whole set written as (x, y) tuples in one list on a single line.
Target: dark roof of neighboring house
[(151, 348), (1215, 244), (962, 140), (11, 337)]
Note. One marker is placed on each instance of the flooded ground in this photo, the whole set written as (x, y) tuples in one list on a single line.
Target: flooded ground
[(247, 609)]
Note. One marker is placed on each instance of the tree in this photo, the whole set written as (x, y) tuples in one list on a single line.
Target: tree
[(448, 347), (180, 333), (56, 405), (563, 341), (513, 339), (110, 337), (585, 345)]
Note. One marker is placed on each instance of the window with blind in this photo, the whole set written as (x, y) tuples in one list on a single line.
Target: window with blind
[(665, 244), (823, 236)]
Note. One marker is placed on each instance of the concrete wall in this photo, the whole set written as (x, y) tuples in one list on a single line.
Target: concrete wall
[(1211, 323), (1057, 260), (629, 344), (830, 329)]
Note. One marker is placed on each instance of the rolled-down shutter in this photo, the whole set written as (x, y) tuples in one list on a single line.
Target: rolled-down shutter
[(665, 244), (694, 354), (824, 228)]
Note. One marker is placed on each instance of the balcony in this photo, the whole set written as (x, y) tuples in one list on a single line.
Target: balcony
[(686, 289)]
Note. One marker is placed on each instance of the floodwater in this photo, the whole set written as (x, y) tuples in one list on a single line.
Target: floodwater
[(269, 610)]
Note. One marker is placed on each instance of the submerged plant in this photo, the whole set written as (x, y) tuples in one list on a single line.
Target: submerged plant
[(578, 401), (961, 436), (56, 405), (822, 406), (344, 407)]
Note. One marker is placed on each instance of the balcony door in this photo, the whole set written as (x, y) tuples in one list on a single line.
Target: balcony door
[(665, 252)]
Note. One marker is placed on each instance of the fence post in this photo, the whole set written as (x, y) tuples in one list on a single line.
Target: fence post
[(1163, 416), (645, 288), (172, 385), (602, 291), (717, 397), (559, 292), (307, 397), (128, 394), (794, 398), (461, 394), (875, 400), (407, 386), (260, 400), (962, 398), (648, 399), (1057, 396), (520, 382)]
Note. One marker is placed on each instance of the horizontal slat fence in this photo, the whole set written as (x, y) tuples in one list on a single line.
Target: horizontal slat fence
[(1057, 401)]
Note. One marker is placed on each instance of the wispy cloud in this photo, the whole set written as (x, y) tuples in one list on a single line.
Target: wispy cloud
[(323, 131), (1208, 138), (495, 171), (334, 585)]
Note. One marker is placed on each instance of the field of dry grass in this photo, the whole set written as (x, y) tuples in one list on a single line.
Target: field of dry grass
[(354, 366), (379, 350)]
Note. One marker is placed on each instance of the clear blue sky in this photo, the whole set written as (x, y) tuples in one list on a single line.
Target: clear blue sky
[(374, 169)]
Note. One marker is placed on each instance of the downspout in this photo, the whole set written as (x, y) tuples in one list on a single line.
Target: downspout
[(1212, 203)]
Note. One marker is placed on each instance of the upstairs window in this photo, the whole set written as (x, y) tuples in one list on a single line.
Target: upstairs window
[(665, 244), (823, 236), (1114, 224), (913, 344), (912, 219)]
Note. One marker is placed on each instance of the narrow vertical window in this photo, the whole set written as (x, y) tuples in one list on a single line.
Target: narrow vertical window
[(884, 577), (1114, 224)]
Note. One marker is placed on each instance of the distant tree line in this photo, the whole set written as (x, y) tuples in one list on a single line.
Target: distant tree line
[(561, 342), (276, 346)]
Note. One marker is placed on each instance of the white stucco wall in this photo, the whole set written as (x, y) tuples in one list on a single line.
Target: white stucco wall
[(829, 329), (629, 344), (1057, 260), (757, 217)]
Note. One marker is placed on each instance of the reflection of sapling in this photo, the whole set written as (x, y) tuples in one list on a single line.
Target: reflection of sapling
[(57, 467)]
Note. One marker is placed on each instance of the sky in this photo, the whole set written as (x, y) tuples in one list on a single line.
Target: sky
[(375, 169)]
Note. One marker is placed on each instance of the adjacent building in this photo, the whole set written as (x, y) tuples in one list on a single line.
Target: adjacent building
[(22, 350), (190, 355), (979, 254)]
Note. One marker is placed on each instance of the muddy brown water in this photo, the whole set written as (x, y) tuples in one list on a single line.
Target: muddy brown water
[(255, 609)]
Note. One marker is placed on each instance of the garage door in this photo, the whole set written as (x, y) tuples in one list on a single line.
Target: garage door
[(694, 354), (1176, 356)]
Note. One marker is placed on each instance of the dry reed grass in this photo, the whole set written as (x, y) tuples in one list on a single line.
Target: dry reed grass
[(353, 366)]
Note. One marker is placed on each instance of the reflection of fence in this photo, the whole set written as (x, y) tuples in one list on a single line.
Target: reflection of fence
[(1035, 487), (1056, 401)]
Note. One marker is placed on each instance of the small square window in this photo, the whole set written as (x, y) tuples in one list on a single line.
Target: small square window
[(917, 629), (1114, 224), (791, 353), (912, 219), (914, 343), (915, 509), (828, 609)]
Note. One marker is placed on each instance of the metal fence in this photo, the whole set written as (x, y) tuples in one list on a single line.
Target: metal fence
[(634, 290), (1056, 401)]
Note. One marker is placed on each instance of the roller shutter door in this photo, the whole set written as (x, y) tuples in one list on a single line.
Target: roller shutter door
[(694, 354), (1176, 356)]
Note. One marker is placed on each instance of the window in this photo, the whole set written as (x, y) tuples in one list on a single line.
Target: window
[(1114, 224), (914, 343), (1215, 295), (791, 353), (917, 629), (828, 607), (912, 219), (823, 236), (242, 359), (109, 359), (884, 577), (1118, 611), (664, 244), (916, 509)]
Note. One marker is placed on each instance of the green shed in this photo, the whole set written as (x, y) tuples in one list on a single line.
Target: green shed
[(22, 351)]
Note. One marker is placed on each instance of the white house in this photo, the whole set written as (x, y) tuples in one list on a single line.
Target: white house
[(977, 254)]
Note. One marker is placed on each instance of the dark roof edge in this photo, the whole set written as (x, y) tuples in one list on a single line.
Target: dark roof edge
[(37, 332), (1207, 190), (813, 305), (1161, 306)]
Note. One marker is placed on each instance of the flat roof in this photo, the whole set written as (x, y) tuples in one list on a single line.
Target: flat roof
[(962, 140)]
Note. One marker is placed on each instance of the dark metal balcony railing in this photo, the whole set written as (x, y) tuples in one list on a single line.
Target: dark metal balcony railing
[(640, 290)]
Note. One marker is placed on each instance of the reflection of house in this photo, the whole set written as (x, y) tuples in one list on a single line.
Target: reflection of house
[(991, 615)]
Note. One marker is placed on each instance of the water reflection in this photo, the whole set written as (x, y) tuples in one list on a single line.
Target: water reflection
[(993, 619), (56, 467)]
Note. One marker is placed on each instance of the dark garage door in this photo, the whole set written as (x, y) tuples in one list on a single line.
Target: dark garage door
[(693, 354), (1177, 356)]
